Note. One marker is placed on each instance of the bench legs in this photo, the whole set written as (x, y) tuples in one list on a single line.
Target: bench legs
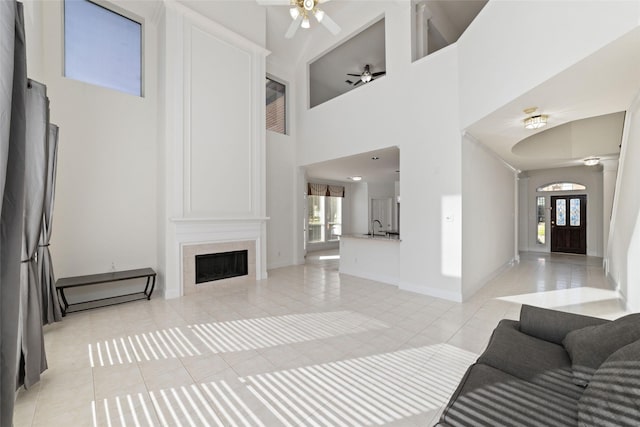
[(64, 301), (153, 285)]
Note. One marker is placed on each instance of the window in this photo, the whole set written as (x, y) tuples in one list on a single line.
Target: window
[(541, 216), (102, 47), (325, 218), (562, 186), (561, 212), (574, 212), (276, 107)]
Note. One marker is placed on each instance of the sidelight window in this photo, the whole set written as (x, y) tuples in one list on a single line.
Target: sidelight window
[(541, 216)]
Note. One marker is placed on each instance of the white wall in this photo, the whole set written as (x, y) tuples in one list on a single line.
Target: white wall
[(624, 236), (504, 53), (359, 208), (415, 107), (589, 176), (282, 204), (106, 193), (488, 215), (280, 194)]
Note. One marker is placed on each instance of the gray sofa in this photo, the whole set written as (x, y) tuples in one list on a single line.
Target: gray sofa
[(552, 368)]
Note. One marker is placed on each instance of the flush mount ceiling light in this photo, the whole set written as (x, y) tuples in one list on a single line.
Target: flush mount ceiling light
[(301, 11), (591, 161), (534, 121), (355, 178)]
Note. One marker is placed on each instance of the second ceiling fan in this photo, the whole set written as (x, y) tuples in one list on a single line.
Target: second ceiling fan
[(365, 77)]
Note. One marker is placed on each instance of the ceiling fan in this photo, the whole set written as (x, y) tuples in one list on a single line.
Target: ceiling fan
[(365, 77), (301, 11)]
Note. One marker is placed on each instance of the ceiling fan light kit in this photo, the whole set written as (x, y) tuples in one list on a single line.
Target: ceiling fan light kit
[(301, 11), (365, 77)]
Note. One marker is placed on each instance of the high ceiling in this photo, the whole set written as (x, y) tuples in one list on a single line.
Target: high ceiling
[(602, 83)]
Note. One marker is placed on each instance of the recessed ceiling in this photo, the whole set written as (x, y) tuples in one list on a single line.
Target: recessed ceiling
[(384, 169), (595, 136)]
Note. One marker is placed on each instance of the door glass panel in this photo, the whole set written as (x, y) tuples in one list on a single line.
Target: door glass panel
[(561, 212), (574, 212), (541, 220)]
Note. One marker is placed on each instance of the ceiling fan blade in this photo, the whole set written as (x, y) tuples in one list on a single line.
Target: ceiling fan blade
[(348, 81), (357, 82), (273, 2), (330, 24), (379, 73), (354, 75), (295, 24)]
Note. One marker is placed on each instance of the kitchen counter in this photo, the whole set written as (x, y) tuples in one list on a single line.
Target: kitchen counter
[(375, 258), (394, 237)]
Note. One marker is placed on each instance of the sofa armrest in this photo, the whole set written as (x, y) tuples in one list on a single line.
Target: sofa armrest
[(553, 325)]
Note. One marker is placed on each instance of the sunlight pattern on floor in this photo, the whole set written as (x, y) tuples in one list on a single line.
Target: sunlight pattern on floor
[(162, 344), (208, 404), (252, 334), (371, 390)]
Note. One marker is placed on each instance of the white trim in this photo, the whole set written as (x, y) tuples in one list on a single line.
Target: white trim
[(432, 292), (389, 280), (222, 32)]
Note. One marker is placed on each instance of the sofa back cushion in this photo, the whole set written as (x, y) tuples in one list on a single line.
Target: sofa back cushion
[(613, 395), (589, 347), (553, 325)]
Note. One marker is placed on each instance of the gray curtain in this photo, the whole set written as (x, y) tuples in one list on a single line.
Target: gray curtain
[(33, 361), (50, 304), (13, 86)]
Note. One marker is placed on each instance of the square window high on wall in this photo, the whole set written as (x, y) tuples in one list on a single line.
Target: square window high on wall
[(102, 47), (276, 106)]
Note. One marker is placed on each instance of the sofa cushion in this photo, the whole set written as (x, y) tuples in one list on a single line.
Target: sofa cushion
[(553, 325), (613, 394), (589, 347), (530, 359), (490, 397)]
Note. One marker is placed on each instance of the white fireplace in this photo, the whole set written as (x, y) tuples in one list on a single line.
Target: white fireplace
[(208, 236), (214, 191)]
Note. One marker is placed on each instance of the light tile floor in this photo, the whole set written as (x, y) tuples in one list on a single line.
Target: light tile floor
[(305, 347)]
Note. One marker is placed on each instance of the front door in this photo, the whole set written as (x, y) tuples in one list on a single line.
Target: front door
[(569, 224)]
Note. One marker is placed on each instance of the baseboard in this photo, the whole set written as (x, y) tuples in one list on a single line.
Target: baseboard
[(432, 292), (468, 293), (375, 277)]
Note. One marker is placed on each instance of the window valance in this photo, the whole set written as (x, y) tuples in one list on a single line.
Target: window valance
[(325, 190)]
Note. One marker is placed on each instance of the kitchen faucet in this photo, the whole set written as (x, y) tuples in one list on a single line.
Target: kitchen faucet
[(373, 229)]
